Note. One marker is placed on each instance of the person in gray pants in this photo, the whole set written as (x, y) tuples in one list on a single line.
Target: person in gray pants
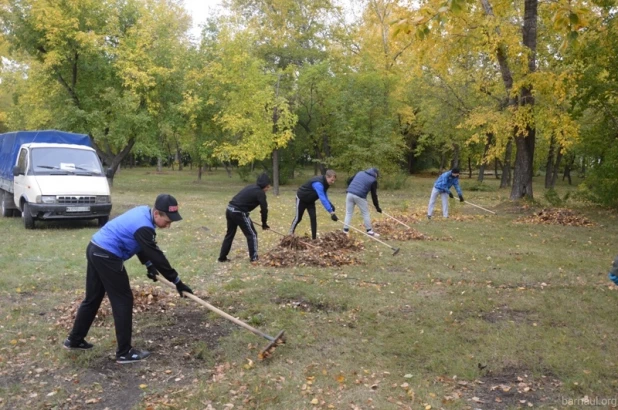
[(360, 185), (442, 187)]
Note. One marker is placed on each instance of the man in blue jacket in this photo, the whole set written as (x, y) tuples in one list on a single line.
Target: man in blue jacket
[(442, 187), (306, 197), (130, 233), (237, 215), (360, 185)]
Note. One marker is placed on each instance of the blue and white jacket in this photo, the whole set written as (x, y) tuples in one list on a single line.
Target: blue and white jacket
[(446, 181)]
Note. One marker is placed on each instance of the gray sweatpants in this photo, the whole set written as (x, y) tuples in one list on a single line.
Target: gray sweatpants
[(350, 201), (432, 202)]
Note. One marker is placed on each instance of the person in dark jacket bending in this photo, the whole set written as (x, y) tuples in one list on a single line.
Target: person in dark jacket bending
[(306, 197), (128, 234), (360, 185), (237, 215)]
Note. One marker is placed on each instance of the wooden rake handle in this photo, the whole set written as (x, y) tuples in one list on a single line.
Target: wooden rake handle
[(395, 219), (395, 250), (217, 310)]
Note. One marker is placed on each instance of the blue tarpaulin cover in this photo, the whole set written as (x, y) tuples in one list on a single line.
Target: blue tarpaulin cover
[(12, 141)]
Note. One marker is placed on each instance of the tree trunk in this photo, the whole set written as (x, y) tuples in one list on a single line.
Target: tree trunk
[(549, 165), (568, 167), (505, 181), (484, 159), (326, 150), (522, 177), (554, 176), (582, 172), (524, 158), (469, 167), (113, 160), (455, 160), (178, 156), (276, 172), (227, 169)]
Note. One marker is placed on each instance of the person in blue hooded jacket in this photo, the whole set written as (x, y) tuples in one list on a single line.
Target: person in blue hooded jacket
[(613, 273), (306, 197), (126, 235), (359, 186), (442, 187)]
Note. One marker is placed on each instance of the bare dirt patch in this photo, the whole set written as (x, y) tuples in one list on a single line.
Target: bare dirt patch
[(183, 340), (332, 249), (509, 388), (505, 313)]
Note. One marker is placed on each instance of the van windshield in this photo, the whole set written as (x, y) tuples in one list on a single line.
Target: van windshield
[(64, 160)]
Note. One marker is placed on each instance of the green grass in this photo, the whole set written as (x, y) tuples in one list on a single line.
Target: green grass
[(487, 301)]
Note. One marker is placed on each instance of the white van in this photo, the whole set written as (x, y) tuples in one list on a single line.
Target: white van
[(57, 182)]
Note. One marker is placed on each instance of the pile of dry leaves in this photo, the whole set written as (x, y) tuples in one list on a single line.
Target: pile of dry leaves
[(332, 249), (391, 229), (557, 216), (145, 299)]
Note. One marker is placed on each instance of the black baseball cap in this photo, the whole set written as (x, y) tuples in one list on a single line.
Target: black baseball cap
[(168, 204)]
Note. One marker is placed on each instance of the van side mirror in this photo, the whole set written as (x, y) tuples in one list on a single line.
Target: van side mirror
[(17, 171), (109, 173)]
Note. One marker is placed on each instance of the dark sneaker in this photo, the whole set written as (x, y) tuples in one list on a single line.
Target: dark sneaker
[(428, 216), (83, 345), (224, 260), (132, 356)]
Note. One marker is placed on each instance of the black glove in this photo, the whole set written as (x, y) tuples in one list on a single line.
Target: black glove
[(332, 206), (450, 194), (334, 217), (181, 287), (461, 198), (265, 226), (152, 273), (379, 209)]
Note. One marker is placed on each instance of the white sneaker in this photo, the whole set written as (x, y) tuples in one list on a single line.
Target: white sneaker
[(372, 233), (346, 232)]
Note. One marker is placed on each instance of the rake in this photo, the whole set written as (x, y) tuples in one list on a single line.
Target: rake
[(395, 250), (266, 352), (395, 219), (480, 207)]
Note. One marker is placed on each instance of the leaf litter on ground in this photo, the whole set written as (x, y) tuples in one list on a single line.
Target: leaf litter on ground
[(556, 216), (332, 249), (391, 229), (145, 299)]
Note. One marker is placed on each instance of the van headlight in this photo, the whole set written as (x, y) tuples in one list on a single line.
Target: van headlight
[(102, 199), (47, 199)]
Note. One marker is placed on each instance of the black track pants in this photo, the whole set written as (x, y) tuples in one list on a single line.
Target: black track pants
[(237, 219), (105, 274), (300, 210)]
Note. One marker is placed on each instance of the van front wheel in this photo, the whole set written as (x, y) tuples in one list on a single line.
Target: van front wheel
[(27, 216)]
